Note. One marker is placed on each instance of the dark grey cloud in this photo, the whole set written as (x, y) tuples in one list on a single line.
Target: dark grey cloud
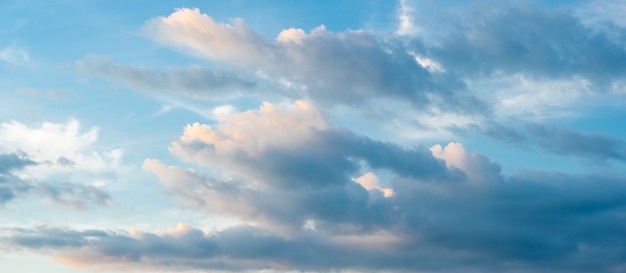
[(559, 140), (528, 222), (9, 162)]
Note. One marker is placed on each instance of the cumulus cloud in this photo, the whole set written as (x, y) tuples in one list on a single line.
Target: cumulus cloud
[(346, 68), (59, 146), (312, 196), (319, 198), (290, 154), (526, 222)]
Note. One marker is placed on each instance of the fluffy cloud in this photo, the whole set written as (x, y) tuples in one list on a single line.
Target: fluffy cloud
[(272, 155), (56, 162), (530, 221), (347, 68), (59, 146)]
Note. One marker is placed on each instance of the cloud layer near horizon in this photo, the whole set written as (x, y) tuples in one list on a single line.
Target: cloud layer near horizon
[(299, 185)]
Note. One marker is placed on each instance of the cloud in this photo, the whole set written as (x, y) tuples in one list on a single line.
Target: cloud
[(561, 141), (15, 184), (9, 162), (194, 81), (313, 197), (406, 24), (600, 12), (273, 155), (511, 38), (58, 145), (347, 68), (526, 222), (14, 55), (12, 187), (56, 162)]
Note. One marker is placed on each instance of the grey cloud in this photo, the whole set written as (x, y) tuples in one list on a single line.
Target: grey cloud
[(194, 81), (346, 68), (496, 37), (9, 162), (73, 195), (314, 178), (12, 187), (63, 194), (457, 215), (559, 140), (529, 222), (64, 161)]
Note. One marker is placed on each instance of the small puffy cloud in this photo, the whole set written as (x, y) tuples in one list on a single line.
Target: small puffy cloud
[(369, 181), (291, 35), (477, 167), (190, 29)]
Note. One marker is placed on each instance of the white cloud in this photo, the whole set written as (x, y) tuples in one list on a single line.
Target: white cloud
[(14, 55), (526, 98), (477, 167), (291, 35), (255, 130), (370, 181), (188, 28), (406, 25), (59, 147)]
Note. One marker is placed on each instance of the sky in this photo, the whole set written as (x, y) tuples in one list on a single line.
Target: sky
[(312, 136)]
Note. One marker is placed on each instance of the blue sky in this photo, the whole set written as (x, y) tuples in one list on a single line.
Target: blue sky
[(312, 136)]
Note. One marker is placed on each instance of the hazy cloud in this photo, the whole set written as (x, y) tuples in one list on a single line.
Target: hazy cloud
[(560, 140), (194, 81)]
